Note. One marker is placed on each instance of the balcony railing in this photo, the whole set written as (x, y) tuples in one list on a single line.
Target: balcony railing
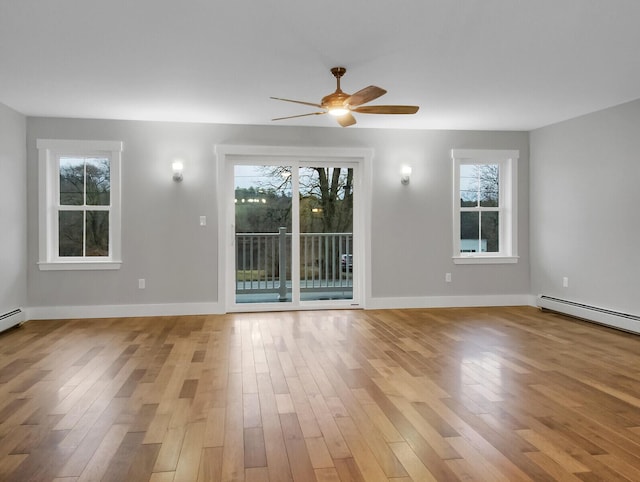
[(263, 263)]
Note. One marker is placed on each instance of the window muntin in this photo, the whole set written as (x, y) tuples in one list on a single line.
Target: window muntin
[(484, 206), (79, 204)]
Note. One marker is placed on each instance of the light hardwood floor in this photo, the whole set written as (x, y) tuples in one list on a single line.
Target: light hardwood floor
[(441, 394)]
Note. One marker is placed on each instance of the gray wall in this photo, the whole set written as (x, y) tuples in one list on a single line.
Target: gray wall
[(162, 241), (585, 195), (13, 212)]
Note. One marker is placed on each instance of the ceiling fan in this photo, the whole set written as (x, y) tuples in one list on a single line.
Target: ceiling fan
[(341, 105)]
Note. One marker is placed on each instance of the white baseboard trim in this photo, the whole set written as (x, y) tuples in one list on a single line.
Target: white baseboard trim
[(178, 309), (450, 301), (120, 311)]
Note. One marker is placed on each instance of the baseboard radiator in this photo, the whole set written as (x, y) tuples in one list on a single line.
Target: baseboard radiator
[(615, 319), (11, 318)]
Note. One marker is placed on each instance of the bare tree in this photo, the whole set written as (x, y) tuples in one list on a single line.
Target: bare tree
[(327, 190)]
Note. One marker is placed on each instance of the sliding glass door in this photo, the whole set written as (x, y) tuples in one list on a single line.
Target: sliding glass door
[(293, 234)]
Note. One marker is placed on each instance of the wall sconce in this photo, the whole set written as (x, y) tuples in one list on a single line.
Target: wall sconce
[(177, 166), (406, 175)]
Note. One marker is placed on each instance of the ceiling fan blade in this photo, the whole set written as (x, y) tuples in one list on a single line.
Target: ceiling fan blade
[(387, 109), (346, 120), (297, 102), (301, 115), (365, 95)]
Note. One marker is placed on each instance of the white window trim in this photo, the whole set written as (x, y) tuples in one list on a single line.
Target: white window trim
[(48, 152), (226, 155), (507, 159)]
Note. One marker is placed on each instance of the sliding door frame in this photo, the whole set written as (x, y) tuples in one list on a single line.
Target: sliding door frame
[(228, 155)]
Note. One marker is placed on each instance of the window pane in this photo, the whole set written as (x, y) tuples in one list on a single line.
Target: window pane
[(263, 203), (469, 232), (98, 181), (468, 185), (490, 230), (489, 176), (70, 233), (97, 230), (71, 181), (326, 233)]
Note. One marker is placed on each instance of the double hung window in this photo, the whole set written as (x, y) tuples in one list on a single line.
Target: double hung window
[(485, 224), (79, 204)]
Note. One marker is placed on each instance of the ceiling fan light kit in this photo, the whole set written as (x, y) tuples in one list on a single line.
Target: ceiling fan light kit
[(341, 105), (338, 111)]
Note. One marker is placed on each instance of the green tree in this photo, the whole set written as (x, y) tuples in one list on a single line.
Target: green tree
[(261, 210)]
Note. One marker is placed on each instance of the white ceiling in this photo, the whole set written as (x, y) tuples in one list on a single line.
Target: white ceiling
[(468, 64)]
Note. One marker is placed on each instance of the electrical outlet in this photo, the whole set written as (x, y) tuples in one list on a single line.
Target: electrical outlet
[(203, 220), (565, 282), (447, 277), (142, 283)]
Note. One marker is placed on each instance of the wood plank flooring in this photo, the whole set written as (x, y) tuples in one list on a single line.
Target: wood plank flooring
[(387, 395)]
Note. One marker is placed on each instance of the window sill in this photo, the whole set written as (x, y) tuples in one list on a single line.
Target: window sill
[(80, 266), (485, 259)]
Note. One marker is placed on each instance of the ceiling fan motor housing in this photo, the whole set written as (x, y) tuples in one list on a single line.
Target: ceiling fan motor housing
[(335, 100)]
